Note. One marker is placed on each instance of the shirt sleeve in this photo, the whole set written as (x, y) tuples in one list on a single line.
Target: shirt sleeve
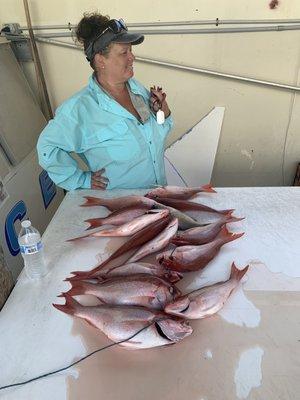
[(167, 126), (61, 136)]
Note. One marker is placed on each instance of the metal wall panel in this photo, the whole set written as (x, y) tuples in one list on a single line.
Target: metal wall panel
[(21, 119)]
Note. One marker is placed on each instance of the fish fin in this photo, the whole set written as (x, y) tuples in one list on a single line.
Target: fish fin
[(69, 307), (180, 242), (227, 236), (147, 299), (91, 201), (94, 223), (236, 273), (208, 188)]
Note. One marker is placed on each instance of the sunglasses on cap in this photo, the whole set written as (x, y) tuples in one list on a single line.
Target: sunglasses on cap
[(115, 26)]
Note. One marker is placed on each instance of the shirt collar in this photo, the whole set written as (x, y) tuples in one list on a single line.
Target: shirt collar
[(95, 85), (105, 99), (134, 87)]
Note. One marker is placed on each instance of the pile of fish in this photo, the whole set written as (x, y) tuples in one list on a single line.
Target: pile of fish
[(141, 306)]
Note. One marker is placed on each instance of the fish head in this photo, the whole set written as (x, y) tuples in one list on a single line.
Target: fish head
[(168, 262), (175, 291), (173, 276), (178, 307), (162, 256), (173, 329), (155, 193)]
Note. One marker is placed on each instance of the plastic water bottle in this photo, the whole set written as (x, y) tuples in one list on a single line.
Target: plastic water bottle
[(31, 248)]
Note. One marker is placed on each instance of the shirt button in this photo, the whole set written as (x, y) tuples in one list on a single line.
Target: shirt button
[(153, 161), (150, 142)]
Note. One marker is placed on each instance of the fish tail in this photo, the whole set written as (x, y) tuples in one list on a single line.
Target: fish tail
[(92, 201), (79, 237), (93, 273), (236, 273), (94, 223), (79, 275), (78, 287), (69, 307), (232, 218), (208, 188), (227, 213), (227, 236)]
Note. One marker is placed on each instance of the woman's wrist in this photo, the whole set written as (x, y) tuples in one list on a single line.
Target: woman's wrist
[(165, 109)]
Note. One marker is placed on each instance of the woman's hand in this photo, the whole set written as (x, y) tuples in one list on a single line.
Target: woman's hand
[(158, 101), (99, 181)]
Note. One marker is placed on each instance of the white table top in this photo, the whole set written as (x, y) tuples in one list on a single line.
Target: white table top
[(250, 350)]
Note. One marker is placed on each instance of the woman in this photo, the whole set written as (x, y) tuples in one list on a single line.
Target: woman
[(111, 124)]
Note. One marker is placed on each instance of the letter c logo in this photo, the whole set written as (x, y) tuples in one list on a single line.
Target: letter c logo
[(16, 213)]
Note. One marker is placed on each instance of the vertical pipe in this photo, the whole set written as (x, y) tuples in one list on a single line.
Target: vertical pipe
[(38, 67)]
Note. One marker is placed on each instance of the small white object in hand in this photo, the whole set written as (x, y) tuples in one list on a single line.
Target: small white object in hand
[(160, 117)]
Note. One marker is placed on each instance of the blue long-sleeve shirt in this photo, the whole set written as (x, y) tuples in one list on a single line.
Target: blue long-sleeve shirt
[(105, 135)]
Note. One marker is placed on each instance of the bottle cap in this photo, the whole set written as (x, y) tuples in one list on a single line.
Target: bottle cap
[(26, 223)]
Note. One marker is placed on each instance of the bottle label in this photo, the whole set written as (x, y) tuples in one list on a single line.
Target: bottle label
[(31, 249)]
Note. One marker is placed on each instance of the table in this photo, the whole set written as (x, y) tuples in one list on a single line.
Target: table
[(250, 350)]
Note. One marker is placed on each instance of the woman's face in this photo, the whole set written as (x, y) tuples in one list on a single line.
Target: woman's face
[(118, 64)]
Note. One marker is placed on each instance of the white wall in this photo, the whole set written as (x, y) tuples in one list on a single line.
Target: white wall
[(259, 143)]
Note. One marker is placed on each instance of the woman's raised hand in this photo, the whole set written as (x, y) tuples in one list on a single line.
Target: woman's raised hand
[(99, 181), (158, 100)]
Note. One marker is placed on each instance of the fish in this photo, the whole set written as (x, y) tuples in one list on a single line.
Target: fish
[(117, 203), (133, 290), (131, 327), (133, 268), (202, 234), (130, 228), (184, 221), (194, 258), (158, 243), (118, 217), (184, 205), (206, 301), (178, 192), (136, 240), (200, 213)]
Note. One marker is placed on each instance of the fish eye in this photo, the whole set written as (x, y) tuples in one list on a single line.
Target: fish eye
[(185, 309), (160, 332)]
